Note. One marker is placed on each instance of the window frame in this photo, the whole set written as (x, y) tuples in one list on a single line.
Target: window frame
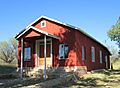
[(41, 24), (66, 50), (93, 53), (106, 61), (27, 53), (63, 51), (83, 52), (101, 58)]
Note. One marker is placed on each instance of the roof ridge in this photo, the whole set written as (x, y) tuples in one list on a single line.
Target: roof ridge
[(68, 25)]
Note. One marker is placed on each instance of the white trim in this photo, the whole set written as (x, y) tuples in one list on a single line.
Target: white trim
[(93, 53), (42, 23), (45, 43), (45, 17), (101, 56), (83, 52), (61, 51), (38, 30), (106, 61), (79, 29), (21, 61), (51, 54), (37, 49), (27, 53), (36, 61)]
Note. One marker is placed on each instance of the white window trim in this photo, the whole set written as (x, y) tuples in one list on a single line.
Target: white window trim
[(83, 53), (93, 53), (61, 51), (106, 61), (101, 56), (42, 23), (26, 54)]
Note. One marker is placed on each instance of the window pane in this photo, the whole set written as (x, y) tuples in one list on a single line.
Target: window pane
[(83, 53), (43, 24), (27, 53), (100, 56), (61, 51), (93, 54), (66, 51)]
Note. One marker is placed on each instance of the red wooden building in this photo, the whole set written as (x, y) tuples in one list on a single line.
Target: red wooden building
[(61, 45)]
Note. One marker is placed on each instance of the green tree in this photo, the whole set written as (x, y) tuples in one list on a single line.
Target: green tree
[(8, 50), (114, 32)]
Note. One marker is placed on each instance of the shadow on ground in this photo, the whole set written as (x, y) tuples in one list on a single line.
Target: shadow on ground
[(110, 79)]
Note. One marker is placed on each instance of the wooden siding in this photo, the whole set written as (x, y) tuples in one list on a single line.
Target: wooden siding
[(74, 39)]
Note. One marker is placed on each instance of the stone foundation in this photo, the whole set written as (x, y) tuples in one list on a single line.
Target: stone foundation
[(54, 72)]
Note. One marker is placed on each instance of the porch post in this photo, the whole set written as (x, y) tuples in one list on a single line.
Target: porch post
[(21, 62), (45, 57)]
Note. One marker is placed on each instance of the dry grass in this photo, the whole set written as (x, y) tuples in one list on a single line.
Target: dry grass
[(102, 79)]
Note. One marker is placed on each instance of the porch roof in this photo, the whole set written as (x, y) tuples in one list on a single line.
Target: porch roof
[(36, 29)]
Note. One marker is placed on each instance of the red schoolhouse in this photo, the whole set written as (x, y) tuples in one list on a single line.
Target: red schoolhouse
[(56, 44)]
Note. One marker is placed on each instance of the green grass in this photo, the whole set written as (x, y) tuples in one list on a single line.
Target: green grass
[(7, 68), (16, 83)]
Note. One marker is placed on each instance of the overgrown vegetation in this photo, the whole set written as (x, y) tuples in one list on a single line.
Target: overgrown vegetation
[(116, 65), (8, 50), (16, 83), (7, 68), (114, 57), (101, 79)]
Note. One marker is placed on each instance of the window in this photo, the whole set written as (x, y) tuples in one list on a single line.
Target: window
[(83, 53), (106, 58), (100, 56), (93, 53), (43, 24), (66, 51), (27, 54), (63, 51), (106, 61)]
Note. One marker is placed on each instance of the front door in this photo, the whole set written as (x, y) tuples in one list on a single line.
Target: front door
[(41, 54)]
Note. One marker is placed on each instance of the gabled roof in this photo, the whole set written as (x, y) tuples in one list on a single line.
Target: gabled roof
[(64, 24), (36, 29)]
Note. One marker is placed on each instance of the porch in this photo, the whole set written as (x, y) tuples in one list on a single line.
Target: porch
[(36, 49)]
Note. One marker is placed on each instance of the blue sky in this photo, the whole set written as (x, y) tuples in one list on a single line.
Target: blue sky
[(93, 16)]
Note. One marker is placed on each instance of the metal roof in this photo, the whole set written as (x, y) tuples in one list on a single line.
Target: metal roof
[(67, 25)]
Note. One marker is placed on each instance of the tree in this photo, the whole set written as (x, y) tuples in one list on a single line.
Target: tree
[(8, 50), (114, 32), (114, 52)]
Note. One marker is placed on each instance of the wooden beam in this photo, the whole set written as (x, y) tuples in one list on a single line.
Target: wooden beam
[(45, 57), (21, 62)]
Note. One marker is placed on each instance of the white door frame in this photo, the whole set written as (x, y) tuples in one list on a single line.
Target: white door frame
[(37, 50)]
